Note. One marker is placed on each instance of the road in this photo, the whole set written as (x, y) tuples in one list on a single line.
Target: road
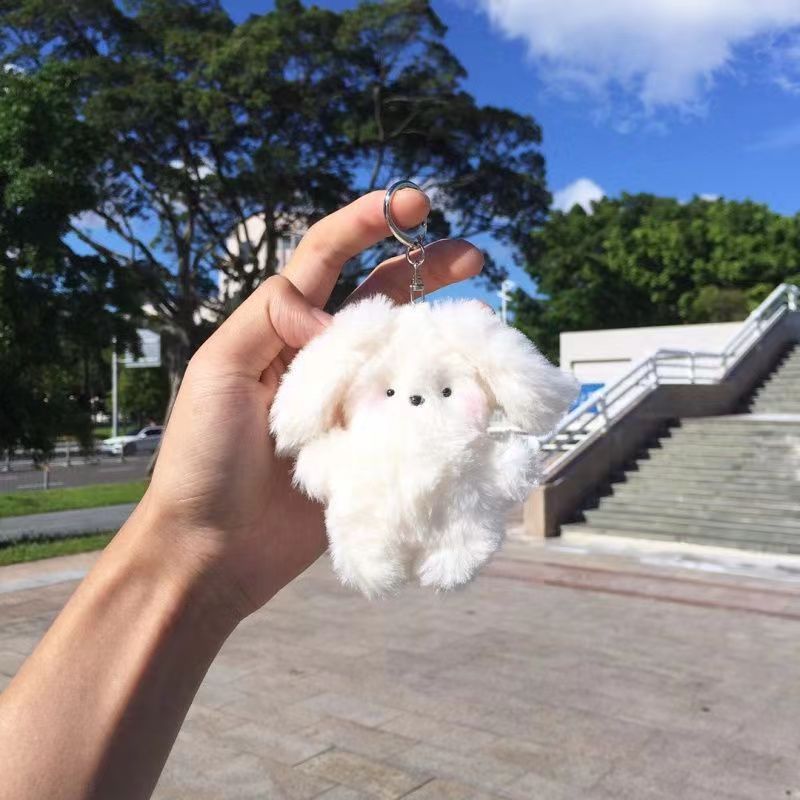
[(57, 524), (107, 470)]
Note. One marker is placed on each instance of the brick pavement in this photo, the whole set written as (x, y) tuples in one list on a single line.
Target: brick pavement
[(553, 676)]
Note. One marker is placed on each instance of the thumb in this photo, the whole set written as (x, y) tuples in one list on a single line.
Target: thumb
[(292, 317), (276, 315)]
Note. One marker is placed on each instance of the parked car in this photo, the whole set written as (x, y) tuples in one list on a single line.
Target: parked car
[(145, 440)]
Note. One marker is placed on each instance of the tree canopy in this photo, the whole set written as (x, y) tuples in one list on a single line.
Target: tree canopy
[(143, 394), (645, 260), (198, 124), (58, 308)]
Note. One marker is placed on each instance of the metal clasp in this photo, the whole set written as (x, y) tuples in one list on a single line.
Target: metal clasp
[(412, 238)]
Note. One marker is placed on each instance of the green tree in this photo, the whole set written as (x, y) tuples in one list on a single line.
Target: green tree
[(202, 124), (57, 307), (143, 394), (644, 260)]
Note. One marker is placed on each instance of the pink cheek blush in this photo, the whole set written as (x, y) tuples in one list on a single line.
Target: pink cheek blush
[(473, 404), (372, 401)]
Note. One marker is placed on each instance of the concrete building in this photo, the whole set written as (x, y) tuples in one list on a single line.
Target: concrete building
[(252, 231)]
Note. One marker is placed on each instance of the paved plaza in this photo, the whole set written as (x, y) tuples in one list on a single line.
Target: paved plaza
[(556, 676)]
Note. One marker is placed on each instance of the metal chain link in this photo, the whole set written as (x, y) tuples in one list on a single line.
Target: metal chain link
[(415, 255)]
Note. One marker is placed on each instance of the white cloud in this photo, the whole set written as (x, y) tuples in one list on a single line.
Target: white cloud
[(582, 192), (660, 53), (709, 197), (783, 53)]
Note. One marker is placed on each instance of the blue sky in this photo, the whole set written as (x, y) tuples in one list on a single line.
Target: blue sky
[(674, 97)]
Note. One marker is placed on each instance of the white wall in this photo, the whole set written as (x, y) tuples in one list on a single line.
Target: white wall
[(286, 246), (601, 356)]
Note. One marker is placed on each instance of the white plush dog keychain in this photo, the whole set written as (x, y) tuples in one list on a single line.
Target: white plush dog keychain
[(388, 414)]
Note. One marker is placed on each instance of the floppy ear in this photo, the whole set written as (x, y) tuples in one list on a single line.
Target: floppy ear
[(530, 392), (308, 400)]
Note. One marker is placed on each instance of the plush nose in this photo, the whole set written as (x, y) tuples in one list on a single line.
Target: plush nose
[(416, 399)]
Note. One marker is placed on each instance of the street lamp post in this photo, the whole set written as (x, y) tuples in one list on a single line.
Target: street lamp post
[(505, 287), (114, 388)]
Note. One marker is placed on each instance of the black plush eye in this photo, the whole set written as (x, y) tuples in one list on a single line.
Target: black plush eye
[(389, 392), (447, 391)]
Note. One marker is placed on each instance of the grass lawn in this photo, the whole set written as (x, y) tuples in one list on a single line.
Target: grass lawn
[(39, 501), (33, 550)]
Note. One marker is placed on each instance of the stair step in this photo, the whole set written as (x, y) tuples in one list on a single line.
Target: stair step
[(782, 376), (720, 459), (643, 492), (745, 424), (710, 527), (777, 392), (724, 451), (733, 448), (779, 383), (773, 463), (755, 431), (664, 489), (731, 468), (693, 510), (715, 481), (789, 365), (703, 539), (724, 442), (739, 423)]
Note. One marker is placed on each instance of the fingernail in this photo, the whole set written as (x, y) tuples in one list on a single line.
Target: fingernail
[(320, 316)]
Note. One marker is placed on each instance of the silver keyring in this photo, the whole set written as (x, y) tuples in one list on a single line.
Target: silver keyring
[(411, 236)]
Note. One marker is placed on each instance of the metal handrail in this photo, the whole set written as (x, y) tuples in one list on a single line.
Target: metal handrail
[(604, 407)]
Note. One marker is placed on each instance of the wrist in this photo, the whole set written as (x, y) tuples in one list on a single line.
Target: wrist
[(152, 548)]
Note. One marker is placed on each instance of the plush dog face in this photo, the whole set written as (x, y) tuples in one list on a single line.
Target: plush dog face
[(416, 382), (417, 369)]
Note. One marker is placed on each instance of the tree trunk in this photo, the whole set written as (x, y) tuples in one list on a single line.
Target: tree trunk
[(176, 351)]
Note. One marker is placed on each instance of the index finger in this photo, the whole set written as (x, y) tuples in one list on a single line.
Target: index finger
[(330, 243)]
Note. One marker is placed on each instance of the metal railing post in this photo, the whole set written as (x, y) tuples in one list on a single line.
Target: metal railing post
[(603, 410), (691, 368), (69, 455)]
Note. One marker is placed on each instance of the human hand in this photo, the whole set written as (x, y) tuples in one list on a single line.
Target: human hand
[(219, 494)]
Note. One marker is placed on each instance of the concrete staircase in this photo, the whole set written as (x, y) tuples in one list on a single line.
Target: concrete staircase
[(731, 481), (780, 393)]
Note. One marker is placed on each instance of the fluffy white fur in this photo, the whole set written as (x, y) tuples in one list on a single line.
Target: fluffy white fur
[(415, 490)]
